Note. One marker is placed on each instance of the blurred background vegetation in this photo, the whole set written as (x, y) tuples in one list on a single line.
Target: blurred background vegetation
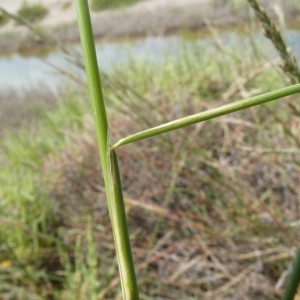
[(97, 5), (32, 12)]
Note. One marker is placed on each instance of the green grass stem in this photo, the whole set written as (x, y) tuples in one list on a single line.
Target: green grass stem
[(209, 114), (108, 159), (294, 281), (126, 265)]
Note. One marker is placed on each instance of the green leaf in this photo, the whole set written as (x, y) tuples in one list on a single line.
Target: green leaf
[(209, 114)]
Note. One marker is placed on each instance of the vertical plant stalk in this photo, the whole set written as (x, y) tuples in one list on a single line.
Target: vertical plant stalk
[(294, 281), (108, 157)]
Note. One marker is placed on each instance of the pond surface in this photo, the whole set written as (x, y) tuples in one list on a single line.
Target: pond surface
[(19, 71)]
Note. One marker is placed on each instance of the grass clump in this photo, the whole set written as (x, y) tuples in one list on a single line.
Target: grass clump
[(32, 12), (27, 259), (98, 5)]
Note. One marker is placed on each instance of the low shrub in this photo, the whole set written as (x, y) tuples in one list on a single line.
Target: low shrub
[(32, 12), (3, 19), (97, 5)]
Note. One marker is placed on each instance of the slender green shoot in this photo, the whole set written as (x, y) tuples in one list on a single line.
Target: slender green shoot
[(294, 281), (108, 159), (209, 114), (126, 265)]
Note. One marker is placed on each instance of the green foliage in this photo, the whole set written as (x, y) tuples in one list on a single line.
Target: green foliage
[(26, 212), (3, 19), (82, 276), (97, 5), (32, 12)]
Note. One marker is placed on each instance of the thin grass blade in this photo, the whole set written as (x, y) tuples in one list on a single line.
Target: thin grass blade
[(209, 114), (93, 79), (126, 266)]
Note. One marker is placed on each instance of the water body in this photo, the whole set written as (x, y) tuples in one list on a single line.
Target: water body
[(18, 71)]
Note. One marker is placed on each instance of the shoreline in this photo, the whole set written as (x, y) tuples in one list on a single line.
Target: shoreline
[(143, 19)]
